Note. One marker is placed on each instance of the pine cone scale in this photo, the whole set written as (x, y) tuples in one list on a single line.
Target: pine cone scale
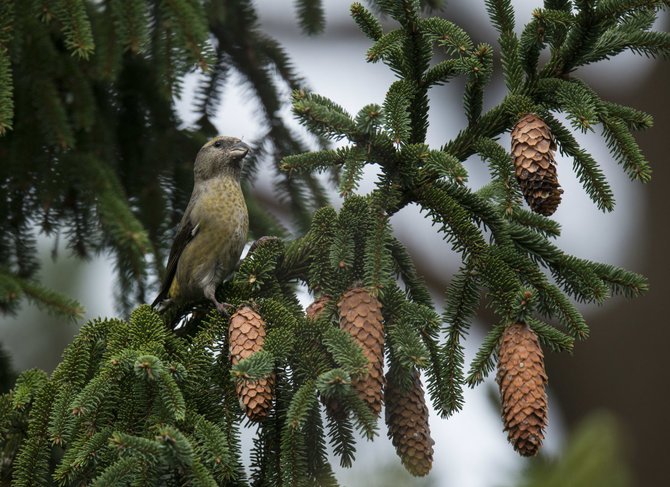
[(535, 167), (361, 316), (408, 428), (246, 334), (522, 380)]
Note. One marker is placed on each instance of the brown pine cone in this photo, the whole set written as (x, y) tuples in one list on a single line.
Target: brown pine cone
[(246, 335), (408, 429), (522, 382), (534, 164), (361, 316), (314, 310)]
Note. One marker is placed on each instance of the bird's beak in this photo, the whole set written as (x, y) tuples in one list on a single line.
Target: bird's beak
[(239, 150)]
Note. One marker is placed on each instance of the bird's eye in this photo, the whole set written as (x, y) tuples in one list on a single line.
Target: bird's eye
[(217, 143)]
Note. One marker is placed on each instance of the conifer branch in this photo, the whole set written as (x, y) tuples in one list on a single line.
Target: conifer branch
[(551, 337), (538, 223), (484, 360), (32, 461), (453, 218), (6, 83), (14, 288), (416, 288), (311, 16), (590, 176), (462, 302), (367, 22), (634, 119), (501, 14), (620, 281), (622, 144), (76, 26)]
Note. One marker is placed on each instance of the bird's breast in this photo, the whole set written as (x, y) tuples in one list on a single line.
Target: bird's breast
[(223, 218), (222, 225)]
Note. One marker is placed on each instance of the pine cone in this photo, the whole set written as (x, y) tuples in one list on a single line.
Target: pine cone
[(361, 316), (535, 167), (246, 335), (408, 429), (522, 381), (333, 407), (316, 308)]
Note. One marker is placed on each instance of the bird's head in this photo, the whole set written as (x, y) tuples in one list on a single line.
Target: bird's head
[(220, 156)]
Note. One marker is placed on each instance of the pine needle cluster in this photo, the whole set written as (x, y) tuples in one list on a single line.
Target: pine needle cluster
[(134, 404)]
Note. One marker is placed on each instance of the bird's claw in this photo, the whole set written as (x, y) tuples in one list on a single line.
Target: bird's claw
[(223, 307)]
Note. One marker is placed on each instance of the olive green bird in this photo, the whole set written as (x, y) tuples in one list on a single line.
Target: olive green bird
[(213, 230)]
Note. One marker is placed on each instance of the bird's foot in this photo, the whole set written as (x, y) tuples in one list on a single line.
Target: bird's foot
[(223, 307)]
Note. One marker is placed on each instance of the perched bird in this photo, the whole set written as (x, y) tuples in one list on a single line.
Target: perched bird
[(213, 230)]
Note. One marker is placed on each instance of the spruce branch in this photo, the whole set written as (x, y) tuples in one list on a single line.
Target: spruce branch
[(453, 218), (293, 447), (366, 21), (502, 170), (484, 361), (76, 26), (621, 281), (342, 440), (462, 302), (501, 14), (322, 115), (416, 288), (385, 47), (118, 473), (538, 223), (588, 172), (6, 83), (634, 119), (618, 8), (479, 68), (311, 16), (378, 265), (622, 145), (447, 35), (441, 72), (551, 337), (13, 288)]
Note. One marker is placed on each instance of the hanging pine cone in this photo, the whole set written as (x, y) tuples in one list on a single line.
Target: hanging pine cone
[(522, 381), (535, 167), (315, 309), (334, 408), (246, 335), (361, 316), (407, 422)]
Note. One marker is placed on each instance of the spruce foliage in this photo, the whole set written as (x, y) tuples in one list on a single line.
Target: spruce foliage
[(135, 404)]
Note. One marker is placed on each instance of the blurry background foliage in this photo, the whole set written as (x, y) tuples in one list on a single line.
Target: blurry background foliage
[(92, 150), (93, 153)]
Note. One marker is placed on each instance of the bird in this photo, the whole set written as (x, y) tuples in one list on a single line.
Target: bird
[(213, 230)]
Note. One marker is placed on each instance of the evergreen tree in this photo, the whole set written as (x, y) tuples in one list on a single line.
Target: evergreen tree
[(133, 403)]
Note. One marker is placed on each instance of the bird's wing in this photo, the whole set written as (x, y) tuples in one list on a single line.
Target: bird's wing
[(186, 230)]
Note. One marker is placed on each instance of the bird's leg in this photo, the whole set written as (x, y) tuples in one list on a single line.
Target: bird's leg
[(221, 307)]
